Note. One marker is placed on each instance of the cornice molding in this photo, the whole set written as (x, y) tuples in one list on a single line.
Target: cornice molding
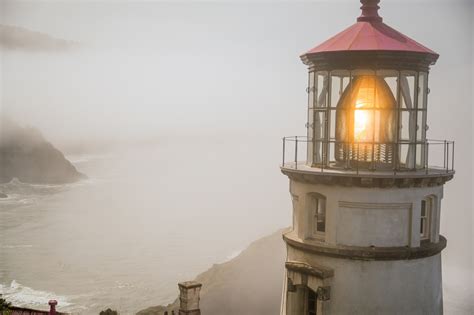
[(426, 249), (368, 181)]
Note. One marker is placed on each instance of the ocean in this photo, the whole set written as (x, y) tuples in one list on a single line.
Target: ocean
[(145, 219)]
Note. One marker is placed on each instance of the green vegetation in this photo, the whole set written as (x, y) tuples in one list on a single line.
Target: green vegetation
[(109, 312), (5, 306)]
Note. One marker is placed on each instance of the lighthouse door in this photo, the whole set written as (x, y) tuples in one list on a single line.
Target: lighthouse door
[(312, 302)]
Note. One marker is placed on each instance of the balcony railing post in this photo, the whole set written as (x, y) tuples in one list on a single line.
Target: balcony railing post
[(283, 155), (444, 158), (447, 156), (346, 156), (452, 159), (394, 158), (358, 157), (296, 152)]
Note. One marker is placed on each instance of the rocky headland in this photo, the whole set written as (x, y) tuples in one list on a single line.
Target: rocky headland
[(25, 154), (250, 283)]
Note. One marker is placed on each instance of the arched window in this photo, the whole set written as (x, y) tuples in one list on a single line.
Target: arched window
[(426, 213), (317, 211)]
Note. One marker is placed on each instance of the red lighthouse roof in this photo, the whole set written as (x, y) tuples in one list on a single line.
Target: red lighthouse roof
[(370, 34)]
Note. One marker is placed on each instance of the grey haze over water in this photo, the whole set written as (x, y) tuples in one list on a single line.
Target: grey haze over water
[(176, 111), (139, 224)]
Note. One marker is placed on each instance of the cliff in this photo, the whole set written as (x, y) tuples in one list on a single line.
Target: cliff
[(26, 155), (251, 283)]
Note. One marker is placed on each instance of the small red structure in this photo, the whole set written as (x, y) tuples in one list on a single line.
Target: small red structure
[(52, 307)]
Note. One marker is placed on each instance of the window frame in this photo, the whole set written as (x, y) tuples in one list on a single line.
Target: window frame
[(426, 218), (318, 214)]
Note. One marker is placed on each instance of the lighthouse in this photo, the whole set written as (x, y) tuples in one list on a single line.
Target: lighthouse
[(366, 183)]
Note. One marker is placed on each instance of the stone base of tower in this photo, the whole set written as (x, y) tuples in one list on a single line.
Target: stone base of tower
[(353, 286)]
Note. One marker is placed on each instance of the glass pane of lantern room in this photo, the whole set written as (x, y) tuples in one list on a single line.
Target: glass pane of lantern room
[(407, 138), (407, 125), (311, 89), (420, 156), (407, 89), (319, 129), (339, 83), (339, 86), (391, 78), (319, 123), (420, 126), (322, 83), (407, 155), (310, 131), (420, 139), (403, 155), (422, 90), (317, 152)]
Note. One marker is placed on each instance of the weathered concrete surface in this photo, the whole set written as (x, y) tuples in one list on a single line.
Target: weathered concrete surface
[(357, 216), (380, 287), (372, 243)]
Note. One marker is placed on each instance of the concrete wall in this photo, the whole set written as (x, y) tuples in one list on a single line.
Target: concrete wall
[(367, 216), (380, 287)]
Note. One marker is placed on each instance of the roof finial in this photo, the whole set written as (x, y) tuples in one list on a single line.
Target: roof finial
[(369, 11)]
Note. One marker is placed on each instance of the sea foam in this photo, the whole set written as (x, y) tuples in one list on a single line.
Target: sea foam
[(20, 295)]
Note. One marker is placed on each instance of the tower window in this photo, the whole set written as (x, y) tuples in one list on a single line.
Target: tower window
[(318, 211), (425, 218)]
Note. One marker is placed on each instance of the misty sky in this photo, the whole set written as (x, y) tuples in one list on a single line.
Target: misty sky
[(150, 69)]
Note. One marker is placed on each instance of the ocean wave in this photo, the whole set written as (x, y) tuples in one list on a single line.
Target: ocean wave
[(15, 186), (20, 295), (20, 194), (123, 285)]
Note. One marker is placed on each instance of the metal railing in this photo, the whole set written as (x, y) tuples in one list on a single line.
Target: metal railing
[(430, 156)]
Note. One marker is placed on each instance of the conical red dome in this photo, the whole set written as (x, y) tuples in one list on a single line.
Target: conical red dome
[(371, 34)]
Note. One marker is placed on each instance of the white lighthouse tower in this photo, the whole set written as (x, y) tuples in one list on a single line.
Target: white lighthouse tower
[(365, 182)]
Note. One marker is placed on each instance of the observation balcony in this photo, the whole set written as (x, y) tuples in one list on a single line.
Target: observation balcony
[(428, 163)]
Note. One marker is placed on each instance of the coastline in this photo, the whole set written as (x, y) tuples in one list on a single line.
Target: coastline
[(242, 278)]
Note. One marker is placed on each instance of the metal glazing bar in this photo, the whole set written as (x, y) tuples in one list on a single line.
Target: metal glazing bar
[(416, 87), (373, 121), (399, 130), (327, 117)]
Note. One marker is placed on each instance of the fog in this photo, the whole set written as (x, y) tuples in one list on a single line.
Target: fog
[(211, 88)]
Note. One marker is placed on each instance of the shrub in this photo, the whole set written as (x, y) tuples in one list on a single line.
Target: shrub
[(109, 312)]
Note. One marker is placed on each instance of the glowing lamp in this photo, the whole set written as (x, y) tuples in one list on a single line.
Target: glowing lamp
[(365, 121)]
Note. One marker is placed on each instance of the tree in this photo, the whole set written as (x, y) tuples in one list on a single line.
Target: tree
[(4, 306), (109, 312)]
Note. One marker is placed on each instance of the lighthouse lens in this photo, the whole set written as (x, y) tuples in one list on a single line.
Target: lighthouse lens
[(365, 124)]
